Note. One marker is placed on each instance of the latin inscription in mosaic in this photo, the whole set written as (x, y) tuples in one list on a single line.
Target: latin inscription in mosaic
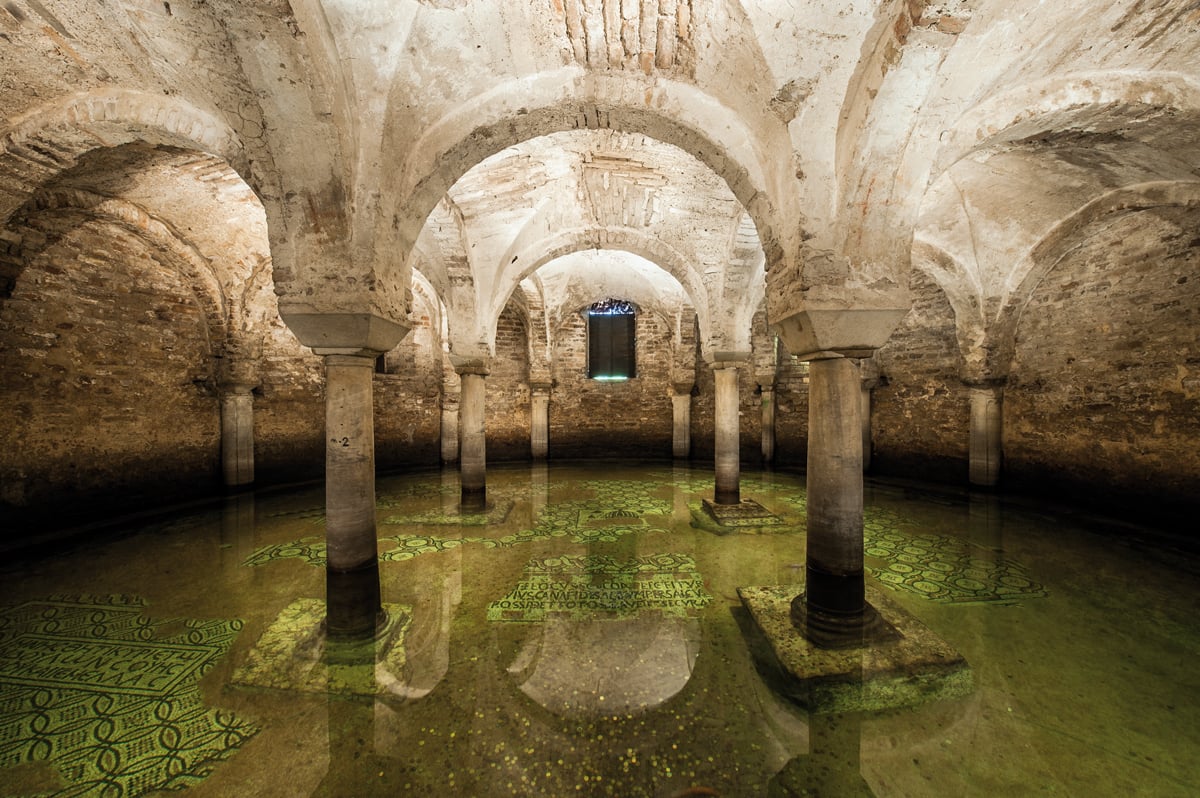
[(594, 587)]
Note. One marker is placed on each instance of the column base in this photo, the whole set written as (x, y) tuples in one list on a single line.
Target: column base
[(353, 610), (917, 667), (727, 496), (474, 500), (835, 631)]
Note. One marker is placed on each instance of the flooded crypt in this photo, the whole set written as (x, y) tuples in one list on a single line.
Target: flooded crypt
[(543, 398)]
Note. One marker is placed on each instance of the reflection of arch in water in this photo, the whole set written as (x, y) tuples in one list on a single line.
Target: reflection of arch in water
[(607, 667)]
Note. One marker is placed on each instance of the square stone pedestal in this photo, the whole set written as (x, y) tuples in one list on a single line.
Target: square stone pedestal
[(746, 517), (293, 654), (916, 668)]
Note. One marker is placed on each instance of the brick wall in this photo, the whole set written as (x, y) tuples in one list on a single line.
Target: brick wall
[(1104, 390), (611, 419), (920, 414), (107, 382)]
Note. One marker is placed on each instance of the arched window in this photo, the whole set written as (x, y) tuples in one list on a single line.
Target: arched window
[(611, 341)]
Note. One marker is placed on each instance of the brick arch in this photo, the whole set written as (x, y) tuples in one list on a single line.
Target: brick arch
[(1127, 101), (565, 100), (636, 242), (196, 270), (39, 145), (987, 335)]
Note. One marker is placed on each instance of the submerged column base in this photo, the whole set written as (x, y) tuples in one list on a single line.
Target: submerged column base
[(914, 667), (353, 607), (474, 500), (840, 630)]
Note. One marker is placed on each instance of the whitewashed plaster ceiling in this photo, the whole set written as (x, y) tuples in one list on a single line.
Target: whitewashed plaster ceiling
[(815, 141)]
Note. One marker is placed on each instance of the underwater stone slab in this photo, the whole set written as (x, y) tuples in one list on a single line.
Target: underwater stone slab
[(294, 655), (747, 516), (917, 668)]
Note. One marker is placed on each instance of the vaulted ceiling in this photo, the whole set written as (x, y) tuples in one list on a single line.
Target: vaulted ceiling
[(820, 148)]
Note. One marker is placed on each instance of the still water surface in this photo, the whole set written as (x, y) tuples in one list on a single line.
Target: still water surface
[(584, 637)]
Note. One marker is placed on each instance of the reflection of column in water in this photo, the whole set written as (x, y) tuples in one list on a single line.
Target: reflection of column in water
[(538, 490), (833, 765), (427, 642), (450, 490), (680, 475), (237, 530), (985, 524), (354, 768)]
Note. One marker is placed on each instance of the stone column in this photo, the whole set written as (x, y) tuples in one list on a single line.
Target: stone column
[(681, 414), (986, 442), (472, 464), (450, 407), (869, 374), (833, 611), (352, 574), (835, 607), (237, 435), (727, 443), (768, 422), (349, 343), (864, 410), (237, 377), (539, 414)]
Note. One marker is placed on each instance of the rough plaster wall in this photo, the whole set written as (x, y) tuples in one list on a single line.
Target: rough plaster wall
[(508, 413), (107, 387), (611, 419), (1105, 386), (920, 415)]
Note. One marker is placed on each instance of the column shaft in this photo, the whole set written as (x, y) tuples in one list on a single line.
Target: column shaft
[(352, 573), (768, 424), (539, 429), (986, 441), (237, 438), (865, 411), (681, 428), (728, 454), (835, 489), (450, 432), (473, 457)]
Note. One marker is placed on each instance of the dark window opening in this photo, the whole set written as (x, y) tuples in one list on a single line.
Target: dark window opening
[(611, 341)]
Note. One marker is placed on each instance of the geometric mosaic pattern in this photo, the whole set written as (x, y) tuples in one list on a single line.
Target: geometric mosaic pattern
[(619, 508), (945, 569), (898, 553), (595, 587), (109, 697)]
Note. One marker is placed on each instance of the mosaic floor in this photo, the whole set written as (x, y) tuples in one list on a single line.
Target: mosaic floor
[(583, 635), (899, 555), (107, 695)]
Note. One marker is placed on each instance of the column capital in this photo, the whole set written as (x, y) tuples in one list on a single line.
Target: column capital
[(683, 388), (727, 359), (540, 387), (471, 364), (363, 334), (845, 320)]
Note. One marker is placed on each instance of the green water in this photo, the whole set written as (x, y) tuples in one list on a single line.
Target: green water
[(583, 636)]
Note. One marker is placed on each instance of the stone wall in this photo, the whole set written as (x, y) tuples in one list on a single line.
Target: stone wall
[(1104, 391), (920, 418), (108, 386)]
